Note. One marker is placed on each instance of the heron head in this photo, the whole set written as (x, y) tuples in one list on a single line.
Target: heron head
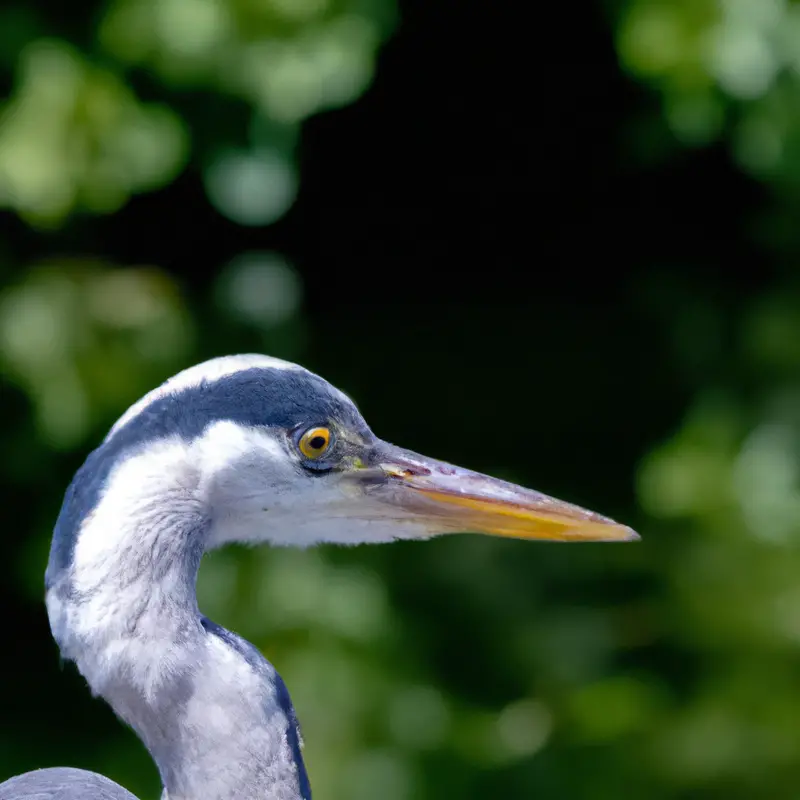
[(284, 456), (251, 449)]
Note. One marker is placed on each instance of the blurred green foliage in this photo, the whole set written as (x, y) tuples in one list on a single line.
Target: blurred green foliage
[(74, 136), (667, 670), (725, 69)]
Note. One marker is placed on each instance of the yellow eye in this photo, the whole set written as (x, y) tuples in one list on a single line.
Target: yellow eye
[(315, 442)]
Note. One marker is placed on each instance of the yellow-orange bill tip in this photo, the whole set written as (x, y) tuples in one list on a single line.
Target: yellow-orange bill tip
[(541, 518)]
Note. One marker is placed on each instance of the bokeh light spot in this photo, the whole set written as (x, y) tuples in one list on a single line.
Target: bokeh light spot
[(251, 188), (261, 289)]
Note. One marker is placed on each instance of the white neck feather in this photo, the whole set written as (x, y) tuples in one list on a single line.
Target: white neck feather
[(212, 712)]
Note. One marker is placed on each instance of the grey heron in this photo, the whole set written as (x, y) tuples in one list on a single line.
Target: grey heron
[(237, 449)]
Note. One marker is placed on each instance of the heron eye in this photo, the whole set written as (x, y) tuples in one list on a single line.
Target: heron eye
[(315, 442)]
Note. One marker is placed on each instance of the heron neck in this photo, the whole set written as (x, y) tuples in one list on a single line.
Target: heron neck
[(213, 713), (221, 726), (233, 731)]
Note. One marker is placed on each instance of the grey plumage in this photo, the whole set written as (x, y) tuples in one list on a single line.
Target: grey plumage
[(62, 783), (250, 449)]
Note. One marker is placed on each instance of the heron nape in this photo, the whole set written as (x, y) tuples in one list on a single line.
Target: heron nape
[(237, 449)]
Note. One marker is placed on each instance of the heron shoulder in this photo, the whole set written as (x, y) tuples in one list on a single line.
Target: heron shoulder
[(62, 783)]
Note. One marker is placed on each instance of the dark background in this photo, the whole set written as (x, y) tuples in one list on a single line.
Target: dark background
[(514, 258)]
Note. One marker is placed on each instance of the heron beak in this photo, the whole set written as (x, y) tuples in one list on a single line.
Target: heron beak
[(452, 499)]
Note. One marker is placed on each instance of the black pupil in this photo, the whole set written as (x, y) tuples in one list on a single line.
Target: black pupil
[(317, 442)]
